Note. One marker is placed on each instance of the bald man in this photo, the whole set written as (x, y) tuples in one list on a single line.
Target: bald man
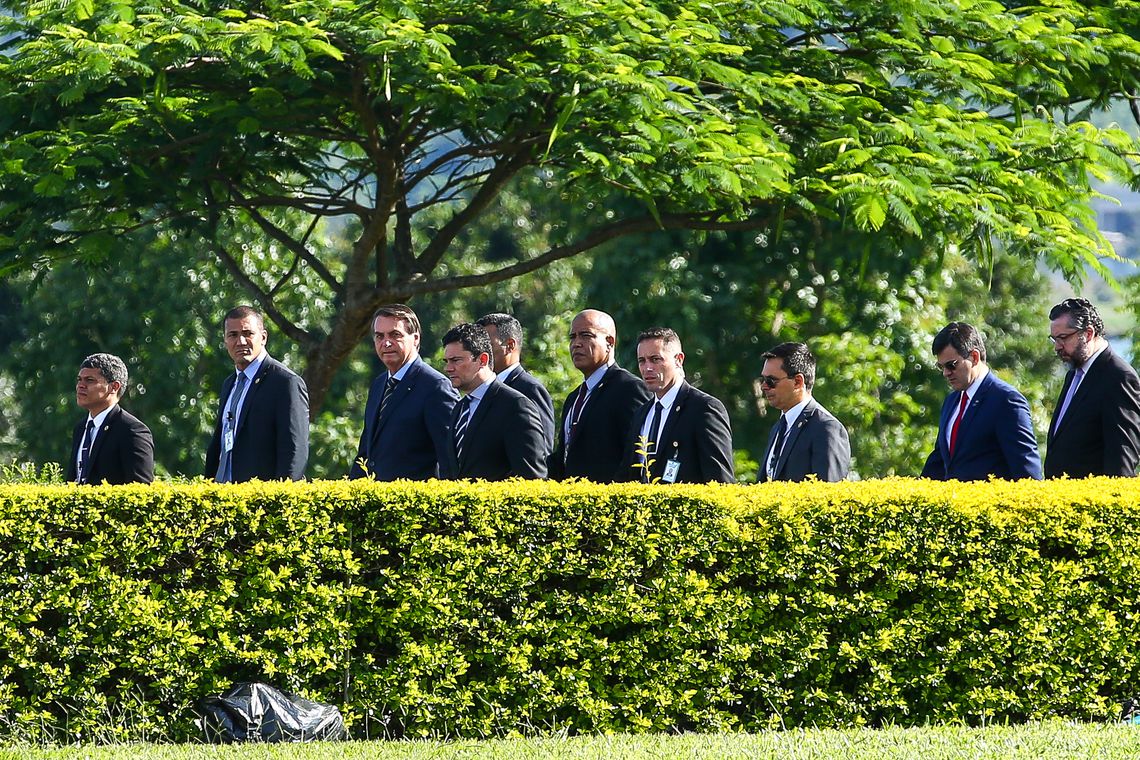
[(598, 413)]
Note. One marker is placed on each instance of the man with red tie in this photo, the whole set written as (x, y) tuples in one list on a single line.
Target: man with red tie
[(984, 428)]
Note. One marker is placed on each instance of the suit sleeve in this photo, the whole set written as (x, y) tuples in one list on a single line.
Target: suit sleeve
[(138, 455), (1017, 439), (556, 463), (293, 436), (526, 443), (832, 461), (934, 467), (1122, 427), (715, 453), (437, 418)]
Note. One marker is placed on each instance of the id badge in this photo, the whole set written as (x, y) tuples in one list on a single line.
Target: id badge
[(672, 468), (228, 441)]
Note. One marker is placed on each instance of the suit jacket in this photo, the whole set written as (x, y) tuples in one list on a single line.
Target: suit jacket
[(504, 439), (1100, 432), (414, 436), (123, 451), (817, 444), (598, 449), (271, 436), (994, 438), (529, 386), (696, 433)]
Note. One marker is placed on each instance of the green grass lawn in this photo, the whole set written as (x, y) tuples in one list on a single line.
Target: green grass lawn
[(1052, 740)]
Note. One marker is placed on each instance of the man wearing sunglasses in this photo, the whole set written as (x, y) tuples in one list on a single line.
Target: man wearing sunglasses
[(1095, 429), (807, 439), (984, 428)]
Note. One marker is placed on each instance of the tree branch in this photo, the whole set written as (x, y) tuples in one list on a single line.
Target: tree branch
[(496, 180), (297, 247), (705, 222), (265, 300)]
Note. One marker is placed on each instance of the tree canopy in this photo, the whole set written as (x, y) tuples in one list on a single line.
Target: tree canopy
[(361, 139)]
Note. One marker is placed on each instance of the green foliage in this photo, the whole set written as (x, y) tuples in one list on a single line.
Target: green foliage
[(27, 472), (446, 609), (317, 121)]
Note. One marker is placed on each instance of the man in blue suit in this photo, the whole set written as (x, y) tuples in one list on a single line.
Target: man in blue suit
[(984, 428), (408, 413)]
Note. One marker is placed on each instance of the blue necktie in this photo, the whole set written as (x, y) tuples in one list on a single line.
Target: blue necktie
[(229, 423)]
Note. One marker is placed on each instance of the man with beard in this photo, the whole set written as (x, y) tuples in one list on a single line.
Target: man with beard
[(1095, 428)]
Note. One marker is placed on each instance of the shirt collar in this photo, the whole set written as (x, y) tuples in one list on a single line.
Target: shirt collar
[(99, 418), (477, 394), (506, 373), (251, 371), (399, 374), (1085, 367), (670, 396), (793, 414), (596, 377), (972, 391)]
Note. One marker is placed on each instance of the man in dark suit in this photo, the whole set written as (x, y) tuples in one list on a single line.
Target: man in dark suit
[(682, 435), (408, 413), (597, 414), (262, 429), (506, 336), (807, 440), (1095, 428), (111, 445), (985, 427), (496, 431)]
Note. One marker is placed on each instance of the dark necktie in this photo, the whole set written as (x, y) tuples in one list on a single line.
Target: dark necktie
[(777, 444), (958, 421), (461, 425), (229, 424), (575, 413), (389, 388), (85, 452)]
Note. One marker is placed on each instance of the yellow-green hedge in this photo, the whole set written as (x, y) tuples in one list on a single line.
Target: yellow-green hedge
[(480, 609)]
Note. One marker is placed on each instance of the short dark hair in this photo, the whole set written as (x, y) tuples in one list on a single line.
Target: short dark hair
[(241, 312), (399, 311), (507, 326), (963, 337), (664, 334), (473, 338), (797, 359), (1082, 314), (111, 367)]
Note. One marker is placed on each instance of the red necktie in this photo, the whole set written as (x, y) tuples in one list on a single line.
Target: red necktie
[(958, 421)]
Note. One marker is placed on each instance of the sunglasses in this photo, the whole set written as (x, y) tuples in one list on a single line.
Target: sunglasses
[(949, 366), (771, 381)]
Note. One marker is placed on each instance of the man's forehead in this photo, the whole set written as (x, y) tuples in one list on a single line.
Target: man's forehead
[(390, 324), (244, 324), (586, 324)]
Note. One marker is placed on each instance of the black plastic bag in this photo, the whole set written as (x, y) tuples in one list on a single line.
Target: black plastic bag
[(255, 712)]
